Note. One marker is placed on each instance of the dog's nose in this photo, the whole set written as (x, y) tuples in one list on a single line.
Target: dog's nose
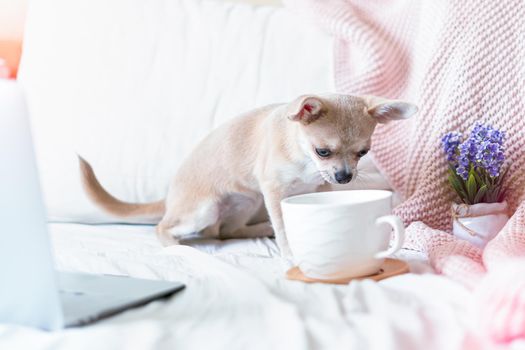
[(343, 177)]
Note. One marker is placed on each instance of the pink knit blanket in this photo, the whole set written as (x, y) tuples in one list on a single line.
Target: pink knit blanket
[(461, 61)]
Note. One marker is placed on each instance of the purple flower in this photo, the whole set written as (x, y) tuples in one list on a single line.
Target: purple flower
[(464, 159), (489, 151), (490, 157), (450, 143), (483, 150), (462, 171), (483, 132)]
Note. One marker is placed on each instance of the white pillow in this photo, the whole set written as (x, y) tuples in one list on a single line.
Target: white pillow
[(133, 85)]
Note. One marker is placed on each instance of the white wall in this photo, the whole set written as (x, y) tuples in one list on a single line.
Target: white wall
[(12, 13)]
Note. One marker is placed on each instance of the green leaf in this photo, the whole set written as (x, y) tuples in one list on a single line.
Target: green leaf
[(452, 173), (454, 183), (464, 198), (481, 192), (471, 187), (454, 180), (456, 186), (479, 181), (458, 179)]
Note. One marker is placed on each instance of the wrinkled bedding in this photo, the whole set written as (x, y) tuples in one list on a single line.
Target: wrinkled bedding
[(237, 298)]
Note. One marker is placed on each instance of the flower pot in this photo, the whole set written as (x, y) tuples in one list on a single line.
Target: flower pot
[(479, 223)]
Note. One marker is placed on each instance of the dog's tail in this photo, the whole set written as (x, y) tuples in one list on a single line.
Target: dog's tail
[(112, 205)]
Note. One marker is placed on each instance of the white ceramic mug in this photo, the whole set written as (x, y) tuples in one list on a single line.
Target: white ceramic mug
[(341, 234)]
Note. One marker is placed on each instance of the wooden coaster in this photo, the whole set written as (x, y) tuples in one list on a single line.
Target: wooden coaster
[(390, 268)]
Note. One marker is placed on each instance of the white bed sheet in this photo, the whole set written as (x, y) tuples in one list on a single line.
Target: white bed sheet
[(237, 298)]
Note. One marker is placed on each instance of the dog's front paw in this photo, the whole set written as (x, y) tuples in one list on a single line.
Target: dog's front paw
[(167, 239)]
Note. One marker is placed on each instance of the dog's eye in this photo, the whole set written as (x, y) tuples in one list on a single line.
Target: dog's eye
[(323, 152), (362, 153)]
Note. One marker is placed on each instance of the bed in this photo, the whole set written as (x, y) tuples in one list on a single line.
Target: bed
[(132, 86), (237, 298)]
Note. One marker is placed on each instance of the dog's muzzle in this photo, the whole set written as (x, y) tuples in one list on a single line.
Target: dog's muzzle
[(343, 177)]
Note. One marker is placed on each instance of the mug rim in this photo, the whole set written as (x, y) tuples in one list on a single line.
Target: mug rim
[(383, 194)]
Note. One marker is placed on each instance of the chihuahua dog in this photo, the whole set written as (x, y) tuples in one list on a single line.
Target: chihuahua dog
[(253, 161)]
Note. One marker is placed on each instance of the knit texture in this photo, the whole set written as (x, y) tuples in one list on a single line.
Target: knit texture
[(460, 61)]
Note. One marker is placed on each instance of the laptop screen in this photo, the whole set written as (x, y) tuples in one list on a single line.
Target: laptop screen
[(28, 292)]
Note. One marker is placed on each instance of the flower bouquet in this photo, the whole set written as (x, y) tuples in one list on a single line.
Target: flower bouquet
[(476, 176)]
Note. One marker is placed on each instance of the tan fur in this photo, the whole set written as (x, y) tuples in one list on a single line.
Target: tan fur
[(255, 160), (110, 204)]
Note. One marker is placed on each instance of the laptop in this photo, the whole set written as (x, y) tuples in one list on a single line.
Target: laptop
[(32, 293)]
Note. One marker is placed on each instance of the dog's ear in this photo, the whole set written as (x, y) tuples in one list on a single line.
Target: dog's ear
[(306, 109), (384, 110)]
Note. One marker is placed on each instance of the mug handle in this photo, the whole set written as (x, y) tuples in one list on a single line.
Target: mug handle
[(399, 238)]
